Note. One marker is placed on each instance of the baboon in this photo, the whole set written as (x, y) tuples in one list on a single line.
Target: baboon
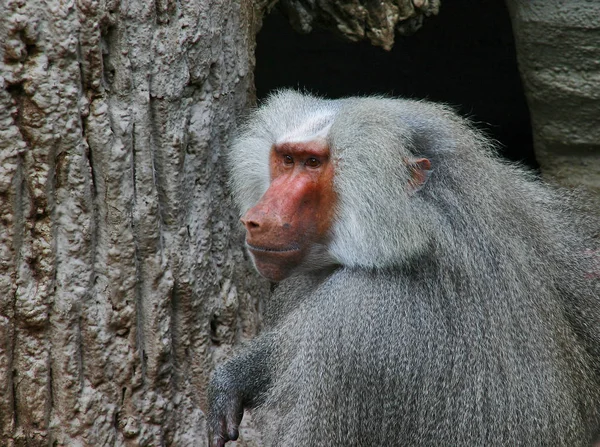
[(429, 293)]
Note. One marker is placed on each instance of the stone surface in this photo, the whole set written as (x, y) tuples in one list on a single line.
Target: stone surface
[(558, 48), (377, 21), (122, 278)]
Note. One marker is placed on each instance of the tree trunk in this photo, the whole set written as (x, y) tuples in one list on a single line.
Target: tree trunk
[(122, 277)]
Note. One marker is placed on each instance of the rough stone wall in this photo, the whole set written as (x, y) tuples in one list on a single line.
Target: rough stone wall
[(122, 279), (355, 20), (558, 48)]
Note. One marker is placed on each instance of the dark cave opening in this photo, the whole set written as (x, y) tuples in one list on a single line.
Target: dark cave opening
[(464, 57)]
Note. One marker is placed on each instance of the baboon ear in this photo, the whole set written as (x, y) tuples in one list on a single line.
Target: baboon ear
[(420, 170)]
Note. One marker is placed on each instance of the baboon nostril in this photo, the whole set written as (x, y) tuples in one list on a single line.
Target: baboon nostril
[(250, 224)]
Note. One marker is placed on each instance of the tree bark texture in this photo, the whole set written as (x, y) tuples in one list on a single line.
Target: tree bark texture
[(122, 277)]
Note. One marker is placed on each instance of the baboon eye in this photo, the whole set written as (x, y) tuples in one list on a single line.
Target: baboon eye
[(313, 162), (288, 160)]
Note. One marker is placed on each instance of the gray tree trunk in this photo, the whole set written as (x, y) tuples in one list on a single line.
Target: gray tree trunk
[(122, 278)]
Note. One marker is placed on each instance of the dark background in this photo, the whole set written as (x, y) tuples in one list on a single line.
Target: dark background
[(464, 57)]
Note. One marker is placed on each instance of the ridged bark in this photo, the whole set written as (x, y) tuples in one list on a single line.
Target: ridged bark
[(122, 277)]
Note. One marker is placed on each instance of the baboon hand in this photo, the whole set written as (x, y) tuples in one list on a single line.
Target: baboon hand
[(225, 411)]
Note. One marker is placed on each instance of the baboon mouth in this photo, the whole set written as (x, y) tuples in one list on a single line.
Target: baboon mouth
[(272, 249)]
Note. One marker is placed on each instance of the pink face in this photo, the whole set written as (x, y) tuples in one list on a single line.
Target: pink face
[(295, 212)]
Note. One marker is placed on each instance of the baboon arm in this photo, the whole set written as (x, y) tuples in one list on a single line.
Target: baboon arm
[(238, 384)]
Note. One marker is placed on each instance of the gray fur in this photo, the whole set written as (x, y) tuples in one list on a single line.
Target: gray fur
[(458, 314)]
